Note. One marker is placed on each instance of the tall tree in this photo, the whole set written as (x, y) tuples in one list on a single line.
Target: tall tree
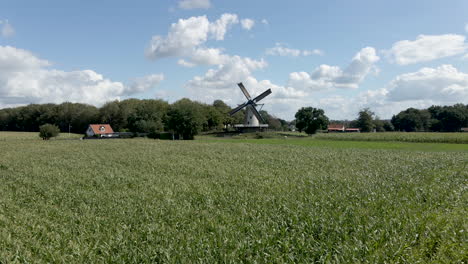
[(365, 121), (412, 120), (146, 116), (309, 120), (186, 118), (448, 118)]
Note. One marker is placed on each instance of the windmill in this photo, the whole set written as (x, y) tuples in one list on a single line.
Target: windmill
[(252, 116)]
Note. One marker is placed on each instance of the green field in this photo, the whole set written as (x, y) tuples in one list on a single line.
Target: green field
[(232, 200), (427, 137)]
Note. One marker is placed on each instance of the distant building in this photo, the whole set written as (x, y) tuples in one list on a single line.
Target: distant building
[(352, 130), (464, 129), (99, 130), (336, 128)]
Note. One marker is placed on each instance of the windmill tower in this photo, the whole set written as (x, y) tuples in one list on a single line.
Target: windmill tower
[(252, 116)]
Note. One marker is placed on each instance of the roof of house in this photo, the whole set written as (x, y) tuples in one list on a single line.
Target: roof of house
[(335, 126), (101, 128), (352, 129)]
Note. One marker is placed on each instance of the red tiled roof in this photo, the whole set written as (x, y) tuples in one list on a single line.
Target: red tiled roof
[(101, 128)]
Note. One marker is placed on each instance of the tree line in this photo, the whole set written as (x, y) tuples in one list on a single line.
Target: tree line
[(433, 119), (185, 117)]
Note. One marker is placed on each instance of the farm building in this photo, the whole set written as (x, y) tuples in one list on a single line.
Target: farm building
[(464, 129), (352, 130), (341, 128), (99, 130), (336, 128)]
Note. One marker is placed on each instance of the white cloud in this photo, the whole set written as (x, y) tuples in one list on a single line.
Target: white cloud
[(204, 56), (145, 83), (247, 23), (7, 29), (185, 63), (441, 86), (193, 4), (426, 48), (264, 21), (466, 27), (220, 83), (329, 77), (280, 50), (208, 56), (313, 52), (234, 70), (24, 78), (220, 26), (444, 84), (185, 36)]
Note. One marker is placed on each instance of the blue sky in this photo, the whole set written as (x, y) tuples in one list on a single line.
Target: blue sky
[(337, 55)]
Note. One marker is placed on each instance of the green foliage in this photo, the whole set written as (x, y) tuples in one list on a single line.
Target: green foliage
[(412, 120), (449, 118), (214, 118), (273, 122), (388, 126), (181, 202), (186, 118), (148, 116), (309, 120), (48, 131), (365, 121), (435, 118)]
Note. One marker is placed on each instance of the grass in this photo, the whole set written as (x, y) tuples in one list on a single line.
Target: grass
[(147, 201), (426, 137), (4, 136), (299, 139)]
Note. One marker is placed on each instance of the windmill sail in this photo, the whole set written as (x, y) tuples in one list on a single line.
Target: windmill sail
[(246, 93), (261, 96)]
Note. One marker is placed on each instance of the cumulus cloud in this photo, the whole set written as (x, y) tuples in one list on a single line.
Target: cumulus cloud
[(247, 23), (185, 63), (7, 29), (426, 48), (281, 50), (329, 77), (25, 78), (444, 83), (234, 70), (219, 27), (186, 36), (204, 56), (220, 83), (142, 84), (193, 4)]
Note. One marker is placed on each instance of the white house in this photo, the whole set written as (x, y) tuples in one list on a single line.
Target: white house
[(99, 130)]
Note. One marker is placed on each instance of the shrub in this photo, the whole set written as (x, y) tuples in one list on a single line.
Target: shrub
[(48, 131)]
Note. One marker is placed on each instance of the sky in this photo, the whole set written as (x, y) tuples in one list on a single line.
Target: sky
[(341, 56)]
